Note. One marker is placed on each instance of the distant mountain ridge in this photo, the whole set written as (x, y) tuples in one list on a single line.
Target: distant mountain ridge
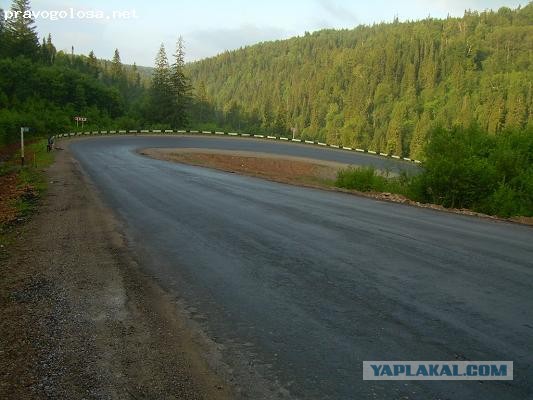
[(382, 86)]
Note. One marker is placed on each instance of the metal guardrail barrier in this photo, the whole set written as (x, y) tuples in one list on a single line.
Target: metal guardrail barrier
[(249, 135)]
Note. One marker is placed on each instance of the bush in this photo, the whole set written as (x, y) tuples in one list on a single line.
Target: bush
[(503, 201), (465, 168), (364, 179)]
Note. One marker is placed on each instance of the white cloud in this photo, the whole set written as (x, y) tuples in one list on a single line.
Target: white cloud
[(457, 7), (205, 43), (338, 12)]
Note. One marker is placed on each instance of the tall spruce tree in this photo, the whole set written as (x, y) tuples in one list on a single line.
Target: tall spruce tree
[(180, 85), (48, 50), (135, 76), (117, 70), (162, 104), (52, 51), (92, 63), (20, 31)]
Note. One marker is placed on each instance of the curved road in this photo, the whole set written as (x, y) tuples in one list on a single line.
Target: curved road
[(302, 285)]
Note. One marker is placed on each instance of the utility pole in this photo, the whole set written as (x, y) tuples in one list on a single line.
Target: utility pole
[(22, 131)]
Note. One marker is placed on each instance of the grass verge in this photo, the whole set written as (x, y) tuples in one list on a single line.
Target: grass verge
[(368, 179), (22, 186)]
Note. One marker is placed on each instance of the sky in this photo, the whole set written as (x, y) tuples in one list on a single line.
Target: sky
[(209, 27)]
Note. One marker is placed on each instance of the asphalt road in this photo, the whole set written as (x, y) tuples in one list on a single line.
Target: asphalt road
[(302, 285)]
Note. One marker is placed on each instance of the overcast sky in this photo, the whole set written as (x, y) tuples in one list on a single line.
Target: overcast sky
[(210, 27)]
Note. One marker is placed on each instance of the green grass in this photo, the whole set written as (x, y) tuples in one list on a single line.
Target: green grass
[(31, 176), (368, 179), (8, 168), (364, 179), (43, 158)]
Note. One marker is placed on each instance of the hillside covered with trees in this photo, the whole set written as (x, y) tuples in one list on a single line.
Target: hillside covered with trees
[(456, 93), (45, 89), (382, 87)]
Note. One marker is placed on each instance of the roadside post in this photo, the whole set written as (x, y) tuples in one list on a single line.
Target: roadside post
[(22, 131)]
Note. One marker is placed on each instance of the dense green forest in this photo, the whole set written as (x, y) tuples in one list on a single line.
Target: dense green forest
[(382, 87), (456, 93), (45, 89)]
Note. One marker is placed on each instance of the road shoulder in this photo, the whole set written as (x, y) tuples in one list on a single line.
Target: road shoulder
[(79, 317)]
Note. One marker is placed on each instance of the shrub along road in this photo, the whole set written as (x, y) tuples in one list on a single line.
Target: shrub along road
[(299, 286)]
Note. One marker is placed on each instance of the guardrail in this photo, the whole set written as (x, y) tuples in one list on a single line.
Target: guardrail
[(248, 135)]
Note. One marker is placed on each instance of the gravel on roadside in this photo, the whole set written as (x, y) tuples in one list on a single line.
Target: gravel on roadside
[(79, 319)]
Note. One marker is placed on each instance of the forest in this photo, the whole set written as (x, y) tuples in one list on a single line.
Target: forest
[(44, 89), (455, 93), (382, 87)]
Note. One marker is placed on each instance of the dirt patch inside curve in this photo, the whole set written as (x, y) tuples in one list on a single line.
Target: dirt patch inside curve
[(285, 169), (79, 319)]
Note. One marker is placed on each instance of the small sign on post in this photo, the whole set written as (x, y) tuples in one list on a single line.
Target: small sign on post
[(22, 131), (80, 119)]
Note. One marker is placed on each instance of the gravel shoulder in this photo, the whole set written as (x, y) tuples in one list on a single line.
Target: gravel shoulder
[(79, 317)]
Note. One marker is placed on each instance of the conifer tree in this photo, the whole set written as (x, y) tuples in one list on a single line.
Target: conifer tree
[(201, 104), (162, 105), (117, 70), (281, 123), (48, 50), (135, 76), (92, 62), (92, 57), (52, 51), (161, 74), (201, 92), (20, 31), (79, 98), (180, 85)]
